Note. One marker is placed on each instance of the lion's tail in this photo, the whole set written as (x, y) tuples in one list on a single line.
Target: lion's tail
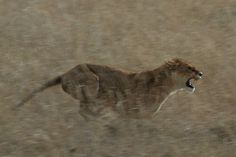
[(48, 84)]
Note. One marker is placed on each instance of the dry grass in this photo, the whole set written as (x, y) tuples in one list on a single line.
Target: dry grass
[(41, 39)]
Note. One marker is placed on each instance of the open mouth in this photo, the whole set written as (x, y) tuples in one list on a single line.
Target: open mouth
[(189, 83)]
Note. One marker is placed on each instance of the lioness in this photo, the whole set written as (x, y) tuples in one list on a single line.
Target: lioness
[(142, 94)]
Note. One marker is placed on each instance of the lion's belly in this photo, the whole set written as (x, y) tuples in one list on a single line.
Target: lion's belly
[(125, 108), (131, 105)]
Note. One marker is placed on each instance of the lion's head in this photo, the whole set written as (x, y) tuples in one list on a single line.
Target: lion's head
[(183, 74)]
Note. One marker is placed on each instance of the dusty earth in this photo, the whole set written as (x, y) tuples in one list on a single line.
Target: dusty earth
[(40, 39)]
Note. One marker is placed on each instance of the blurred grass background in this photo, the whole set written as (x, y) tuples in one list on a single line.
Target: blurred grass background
[(40, 39)]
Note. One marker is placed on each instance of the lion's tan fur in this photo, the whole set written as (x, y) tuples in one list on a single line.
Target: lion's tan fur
[(101, 88), (131, 94)]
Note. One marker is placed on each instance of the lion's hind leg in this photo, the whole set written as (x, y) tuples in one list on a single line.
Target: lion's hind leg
[(89, 110), (85, 112), (81, 83)]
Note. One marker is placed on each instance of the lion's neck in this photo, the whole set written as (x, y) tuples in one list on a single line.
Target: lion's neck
[(153, 88), (158, 82), (163, 84)]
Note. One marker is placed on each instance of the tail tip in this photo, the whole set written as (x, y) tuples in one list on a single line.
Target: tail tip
[(17, 106)]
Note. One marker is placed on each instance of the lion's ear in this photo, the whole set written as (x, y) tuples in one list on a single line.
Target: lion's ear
[(177, 60), (171, 64)]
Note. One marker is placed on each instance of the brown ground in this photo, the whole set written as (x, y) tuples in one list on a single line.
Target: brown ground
[(40, 39)]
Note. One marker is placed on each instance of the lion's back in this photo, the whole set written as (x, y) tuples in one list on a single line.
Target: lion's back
[(109, 76)]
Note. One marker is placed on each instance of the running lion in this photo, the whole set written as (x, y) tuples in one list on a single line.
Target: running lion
[(99, 88)]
